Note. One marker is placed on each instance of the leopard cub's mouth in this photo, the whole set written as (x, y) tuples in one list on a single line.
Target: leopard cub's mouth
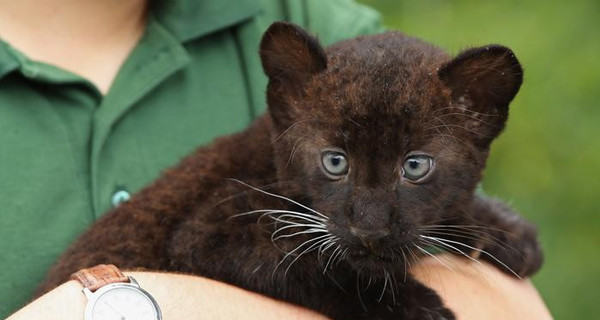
[(361, 258)]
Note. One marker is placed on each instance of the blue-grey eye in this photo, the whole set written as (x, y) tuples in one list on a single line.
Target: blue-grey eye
[(335, 163), (417, 166)]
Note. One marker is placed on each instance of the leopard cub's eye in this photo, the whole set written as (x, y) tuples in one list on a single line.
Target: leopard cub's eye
[(417, 166), (334, 163)]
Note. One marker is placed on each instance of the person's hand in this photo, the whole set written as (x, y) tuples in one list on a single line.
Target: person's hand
[(480, 291)]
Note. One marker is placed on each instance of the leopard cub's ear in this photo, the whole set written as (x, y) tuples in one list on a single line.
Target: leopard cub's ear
[(483, 81), (290, 57)]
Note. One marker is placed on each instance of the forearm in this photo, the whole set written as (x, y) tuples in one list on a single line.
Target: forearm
[(64, 302), (179, 296), (471, 290)]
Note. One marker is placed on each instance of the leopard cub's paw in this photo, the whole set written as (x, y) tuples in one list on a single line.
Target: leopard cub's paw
[(518, 248)]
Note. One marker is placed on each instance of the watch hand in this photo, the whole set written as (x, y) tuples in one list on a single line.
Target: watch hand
[(115, 311)]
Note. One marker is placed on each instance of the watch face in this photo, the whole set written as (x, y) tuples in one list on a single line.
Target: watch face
[(122, 302)]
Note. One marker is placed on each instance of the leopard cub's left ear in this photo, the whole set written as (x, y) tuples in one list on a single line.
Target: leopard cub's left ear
[(484, 81)]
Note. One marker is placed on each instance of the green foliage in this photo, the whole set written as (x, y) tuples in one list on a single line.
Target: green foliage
[(547, 162)]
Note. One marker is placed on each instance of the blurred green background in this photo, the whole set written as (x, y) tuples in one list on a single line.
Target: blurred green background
[(547, 162)]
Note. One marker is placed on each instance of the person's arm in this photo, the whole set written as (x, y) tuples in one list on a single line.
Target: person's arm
[(481, 291), (179, 297), (471, 290)]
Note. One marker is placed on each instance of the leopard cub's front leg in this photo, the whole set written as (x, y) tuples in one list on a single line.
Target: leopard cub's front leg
[(405, 300), (507, 240)]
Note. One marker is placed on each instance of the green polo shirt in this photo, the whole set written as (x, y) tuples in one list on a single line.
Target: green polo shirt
[(68, 154)]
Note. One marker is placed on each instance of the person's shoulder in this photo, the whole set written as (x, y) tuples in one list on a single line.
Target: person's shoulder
[(336, 20), (331, 20)]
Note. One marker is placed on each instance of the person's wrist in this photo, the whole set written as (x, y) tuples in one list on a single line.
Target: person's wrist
[(183, 296), (109, 291)]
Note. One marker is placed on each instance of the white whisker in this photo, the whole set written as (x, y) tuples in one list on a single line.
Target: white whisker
[(405, 261), (433, 256), (297, 233), (358, 291), (287, 214), (384, 286), (338, 254), (392, 284), (342, 256), (289, 224), (452, 247), (309, 249), (280, 197), (323, 247), (469, 227), (298, 248), (389, 276), (478, 250), (476, 235), (286, 218), (330, 257)]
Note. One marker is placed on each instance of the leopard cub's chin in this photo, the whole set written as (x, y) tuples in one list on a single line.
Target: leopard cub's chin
[(375, 266), (378, 262)]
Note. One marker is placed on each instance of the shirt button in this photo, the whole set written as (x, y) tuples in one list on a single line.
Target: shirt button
[(119, 197)]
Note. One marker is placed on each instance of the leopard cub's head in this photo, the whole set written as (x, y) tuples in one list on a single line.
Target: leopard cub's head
[(382, 135)]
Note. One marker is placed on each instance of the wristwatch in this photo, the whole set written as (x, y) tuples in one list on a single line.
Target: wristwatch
[(113, 296)]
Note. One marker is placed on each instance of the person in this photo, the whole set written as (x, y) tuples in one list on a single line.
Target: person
[(98, 97)]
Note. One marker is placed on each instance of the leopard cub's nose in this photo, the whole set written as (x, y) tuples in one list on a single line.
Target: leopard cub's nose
[(370, 238)]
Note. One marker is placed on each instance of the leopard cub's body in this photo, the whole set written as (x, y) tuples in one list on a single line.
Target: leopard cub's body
[(369, 156)]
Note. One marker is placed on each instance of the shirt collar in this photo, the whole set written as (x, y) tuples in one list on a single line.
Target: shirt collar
[(190, 19), (8, 62)]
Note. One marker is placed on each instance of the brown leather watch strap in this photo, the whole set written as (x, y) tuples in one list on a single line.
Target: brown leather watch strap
[(95, 277)]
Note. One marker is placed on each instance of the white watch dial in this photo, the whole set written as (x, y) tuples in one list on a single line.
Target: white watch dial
[(124, 303)]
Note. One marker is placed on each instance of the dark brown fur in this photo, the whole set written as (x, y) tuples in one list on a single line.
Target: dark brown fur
[(376, 99)]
